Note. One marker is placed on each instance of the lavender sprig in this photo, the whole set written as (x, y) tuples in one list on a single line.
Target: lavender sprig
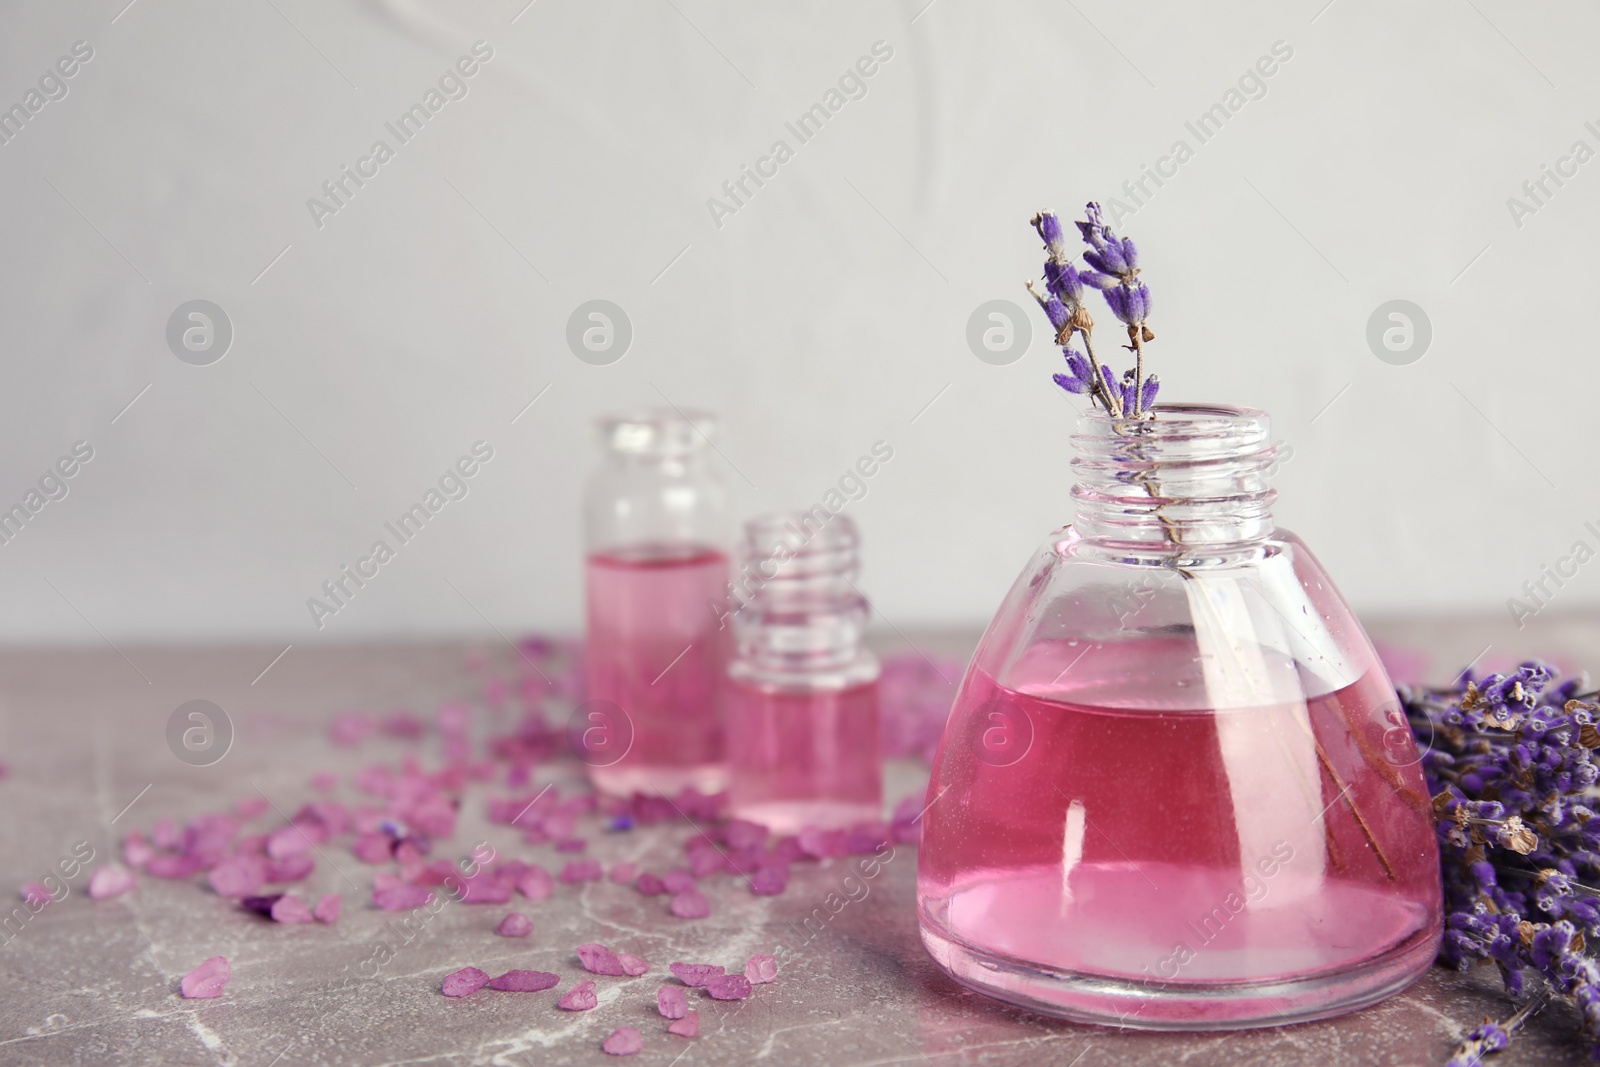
[(1511, 768), (1115, 269)]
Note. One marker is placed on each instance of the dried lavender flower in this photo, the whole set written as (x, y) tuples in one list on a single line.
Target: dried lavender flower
[(1511, 770), (1115, 268)]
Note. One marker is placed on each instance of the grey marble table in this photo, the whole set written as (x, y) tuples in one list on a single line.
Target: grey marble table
[(94, 982)]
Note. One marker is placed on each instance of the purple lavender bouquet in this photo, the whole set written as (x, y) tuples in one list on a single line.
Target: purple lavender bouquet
[(1510, 765), (1114, 270)]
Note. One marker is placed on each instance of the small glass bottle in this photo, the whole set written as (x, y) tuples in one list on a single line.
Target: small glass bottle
[(803, 694), (656, 526), (1176, 790)]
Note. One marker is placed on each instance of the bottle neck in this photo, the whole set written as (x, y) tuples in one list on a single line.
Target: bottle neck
[(1195, 475), (799, 618)]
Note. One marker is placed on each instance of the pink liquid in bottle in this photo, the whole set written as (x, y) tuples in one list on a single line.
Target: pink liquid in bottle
[(655, 650), (802, 758), (1100, 849)]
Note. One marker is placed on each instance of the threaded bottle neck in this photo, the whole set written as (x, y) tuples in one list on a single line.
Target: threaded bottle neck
[(1193, 475), (801, 619)]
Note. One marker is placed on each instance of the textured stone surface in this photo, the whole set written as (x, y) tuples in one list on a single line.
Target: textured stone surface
[(95, 982)]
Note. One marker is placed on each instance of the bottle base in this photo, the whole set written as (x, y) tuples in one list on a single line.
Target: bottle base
[(624, 780), (1156, 1005), (792, 816)]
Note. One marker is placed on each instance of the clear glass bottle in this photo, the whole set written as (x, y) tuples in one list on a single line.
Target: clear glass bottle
[(803, 694), (657, 530), (1176, 790)]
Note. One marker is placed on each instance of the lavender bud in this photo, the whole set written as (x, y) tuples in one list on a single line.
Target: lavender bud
[(1147, 395), (1071, 385)]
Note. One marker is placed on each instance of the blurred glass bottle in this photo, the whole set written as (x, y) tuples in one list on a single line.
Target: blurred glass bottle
[(656, 531), (803, 694)]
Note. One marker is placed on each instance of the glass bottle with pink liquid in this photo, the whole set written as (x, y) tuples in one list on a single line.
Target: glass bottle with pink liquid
[(657, 528), (803, 693), (1176, 790)]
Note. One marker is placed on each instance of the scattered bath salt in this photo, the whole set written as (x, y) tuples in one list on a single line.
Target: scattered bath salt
[(624, 1041), (728, 986), (571, 844), (292, 869), (597, 959), (324, 781), (535, 883), (624, 873), (581, 871), (485, 888), (525, 981), (206, 980), (694, 974), (238, 876), (691, 904), (250, 807), (620, 823), (515, 924), (688, 1026), (740, 833), (633, 965), (288, 841), (261, 905), (579, 998), (649, 885), (671, 1002), (136, 851), (170, 865), (328, 908), (678, 881), (770, 879), (36, 894), (165, 834), (761, 969), (401, 897), (464, 982), (290, 909), (706, 861), (108, 882)]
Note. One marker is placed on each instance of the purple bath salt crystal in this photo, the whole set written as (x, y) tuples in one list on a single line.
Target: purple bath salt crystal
[(761, 969), (633, 965), (694, 974), (579, 998), (597, 959), (108, 882), (288, 841), (525, 981), (207, 980), (691, 904), (571, 844), (515, 924), (238, 876), (36, 894), (401, 897), (740, 833), (328, 908), (463, 982), (373, 847), (688, 1026), (136, 851), (624, 1041), (290, 909), (485, 888), (678, 880), (671, 1002), (770, 879), (535, 883), (623, 873), (581, 871), (170, 865), (261, 905), (292, 869), (165, 834), (649, 885), (706, 861), (728, 986)]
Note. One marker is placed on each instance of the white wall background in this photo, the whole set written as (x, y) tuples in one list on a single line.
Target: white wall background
[(825, 315)]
